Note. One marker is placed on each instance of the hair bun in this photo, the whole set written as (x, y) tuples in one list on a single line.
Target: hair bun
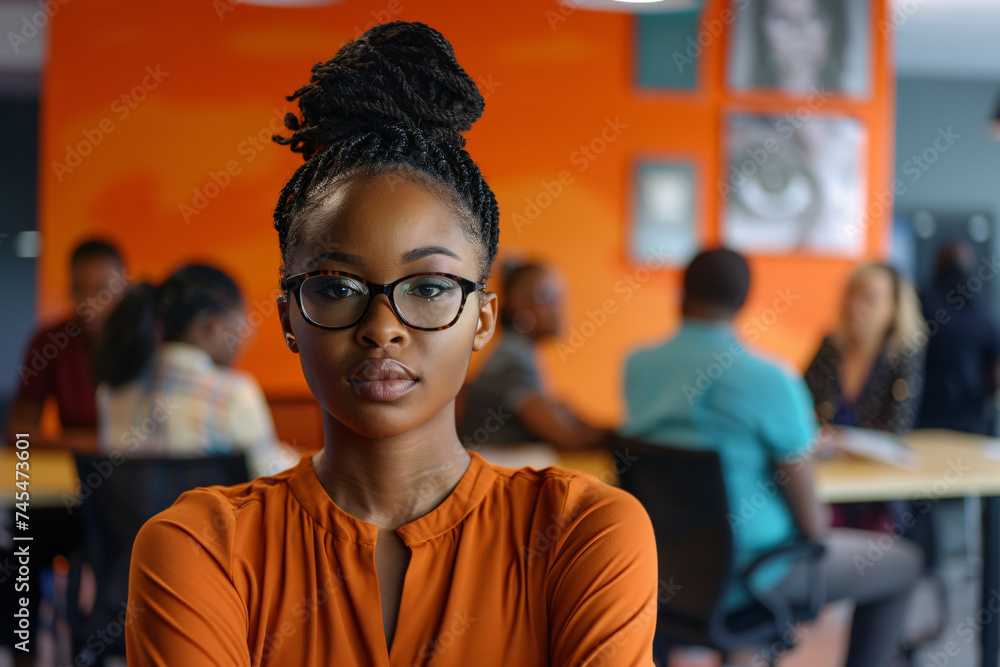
[(398, 73)]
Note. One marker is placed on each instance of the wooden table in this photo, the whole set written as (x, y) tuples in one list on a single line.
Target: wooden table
[(52, 475), (950, 465)]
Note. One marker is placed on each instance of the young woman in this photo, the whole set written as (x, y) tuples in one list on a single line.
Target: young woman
[(869, 373), (165, 386), (393, 545)]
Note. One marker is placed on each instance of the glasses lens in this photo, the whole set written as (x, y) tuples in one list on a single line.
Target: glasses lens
[(428, 301), (333, 301)]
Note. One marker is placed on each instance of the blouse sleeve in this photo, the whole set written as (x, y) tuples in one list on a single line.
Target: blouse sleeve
[(602, 584), (183, 608), (821, 379), (906, 391)]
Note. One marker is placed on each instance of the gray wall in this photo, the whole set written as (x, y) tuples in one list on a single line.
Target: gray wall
[(18, 192), (965, 177)]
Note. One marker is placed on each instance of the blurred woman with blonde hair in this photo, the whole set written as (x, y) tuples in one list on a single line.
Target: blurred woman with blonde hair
[(869, 371)]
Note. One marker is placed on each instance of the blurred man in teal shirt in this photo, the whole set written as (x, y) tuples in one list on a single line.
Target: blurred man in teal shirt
[(702, 389)]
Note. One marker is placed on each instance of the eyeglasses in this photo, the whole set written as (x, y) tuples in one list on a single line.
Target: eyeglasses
[(339, 300)]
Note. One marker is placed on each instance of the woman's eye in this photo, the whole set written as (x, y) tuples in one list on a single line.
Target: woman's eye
[(429, 289), (339, 289)]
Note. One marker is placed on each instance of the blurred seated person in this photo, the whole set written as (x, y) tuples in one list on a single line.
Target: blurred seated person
[(963, 351), (507, 402), (869, 372), (756, 413), (165, 385), (57, 363)]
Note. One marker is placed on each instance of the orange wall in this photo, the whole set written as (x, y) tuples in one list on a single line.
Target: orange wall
[(550, 88)]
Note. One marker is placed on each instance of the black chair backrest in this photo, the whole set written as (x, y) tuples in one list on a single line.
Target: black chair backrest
[(683, 491), (118, 496)]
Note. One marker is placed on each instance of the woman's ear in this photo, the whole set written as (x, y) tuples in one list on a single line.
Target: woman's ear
[(488, 308), (286, 323)]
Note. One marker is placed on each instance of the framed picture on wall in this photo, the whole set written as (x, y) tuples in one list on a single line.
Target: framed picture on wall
[(800, 46), (663, 213), (794, 185)]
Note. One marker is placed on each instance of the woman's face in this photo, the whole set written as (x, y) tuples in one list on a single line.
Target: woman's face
[(797, 34), (381, 378), (870, 306)]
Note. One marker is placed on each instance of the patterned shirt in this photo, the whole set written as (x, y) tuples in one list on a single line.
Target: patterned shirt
[(184, 404), (887, 402)]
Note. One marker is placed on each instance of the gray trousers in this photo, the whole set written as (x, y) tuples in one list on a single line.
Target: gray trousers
[(878, 571)]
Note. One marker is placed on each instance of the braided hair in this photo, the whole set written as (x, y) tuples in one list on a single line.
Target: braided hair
[(395, 101)]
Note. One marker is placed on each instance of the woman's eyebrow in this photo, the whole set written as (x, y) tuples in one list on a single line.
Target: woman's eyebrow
[(345, 257), (419, 253)]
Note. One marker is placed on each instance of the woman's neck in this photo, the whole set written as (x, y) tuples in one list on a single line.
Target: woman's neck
[(864, 345), (390, 482)]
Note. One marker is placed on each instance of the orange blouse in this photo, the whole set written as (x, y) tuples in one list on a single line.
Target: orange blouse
[(515, 567)]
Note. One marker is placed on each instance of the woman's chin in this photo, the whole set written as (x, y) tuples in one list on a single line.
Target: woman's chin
[(378, 424)]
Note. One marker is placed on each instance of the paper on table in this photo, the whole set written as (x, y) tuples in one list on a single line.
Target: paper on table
[(991, 448), (878, 446)]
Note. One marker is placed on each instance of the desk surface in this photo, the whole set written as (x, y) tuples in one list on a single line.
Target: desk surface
[(52, 473), (951, 465)]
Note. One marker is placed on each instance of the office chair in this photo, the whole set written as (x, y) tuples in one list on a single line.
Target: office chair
[(118, 496), (684, 493)]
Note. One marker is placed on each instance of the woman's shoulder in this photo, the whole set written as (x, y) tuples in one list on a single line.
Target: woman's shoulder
[(214, 515), (572, 519), (574, 492)]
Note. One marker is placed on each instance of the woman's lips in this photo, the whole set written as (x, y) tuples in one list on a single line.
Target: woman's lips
[(382, 379)]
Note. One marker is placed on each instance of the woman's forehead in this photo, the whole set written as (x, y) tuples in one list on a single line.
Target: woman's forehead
[(380, 218)]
